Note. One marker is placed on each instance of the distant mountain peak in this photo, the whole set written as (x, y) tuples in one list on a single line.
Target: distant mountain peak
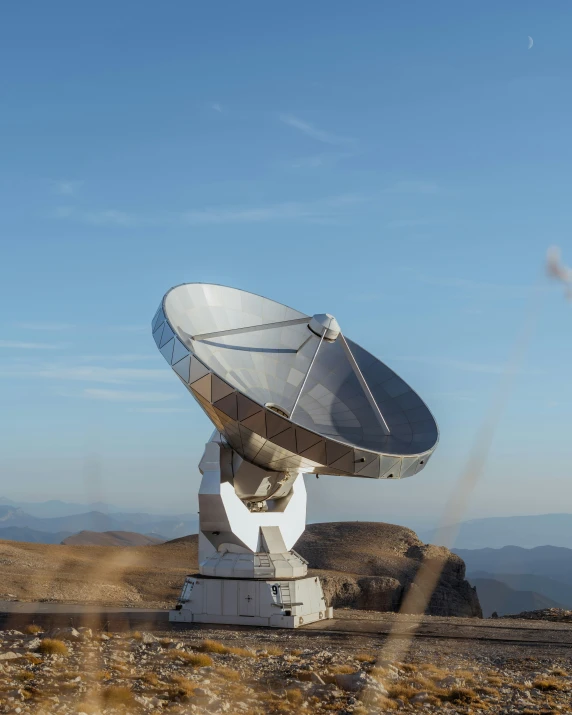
[(529, 531)]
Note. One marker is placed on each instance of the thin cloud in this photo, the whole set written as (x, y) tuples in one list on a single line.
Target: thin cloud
[(466, 366), (320, 209), (129, 329), (217, 107), (158, 410), (124, 396), (67, 187), (55, 327), (289, 211), (113, 217), (119, 358), (17, 345), (313, 131), (84, 373)]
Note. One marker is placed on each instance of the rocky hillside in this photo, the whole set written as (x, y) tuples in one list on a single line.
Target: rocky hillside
[(371, 565), (363, 565)]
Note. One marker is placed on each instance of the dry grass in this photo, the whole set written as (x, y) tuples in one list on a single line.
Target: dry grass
[(484, 690), (137, 636), (101, 675), (464, 674), (32, 629), (432, 671), (494, 680), (52, 646), (229, 674), (409, 667), (547, 684), (365, 658), (25, 675), (274, 650), (118, 696), (210, 646), (242, 652), (150, 678), (294, 696), (88, 708), (559, 672), (296, 652), (339, 669), (403, 691), (184, 687), (380, 672), (305, 676), (196, 660), (32, 659), (165, 642), (460, 695)]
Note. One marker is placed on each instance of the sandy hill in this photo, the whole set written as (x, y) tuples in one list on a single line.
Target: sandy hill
[(111, 538), (364, 565)]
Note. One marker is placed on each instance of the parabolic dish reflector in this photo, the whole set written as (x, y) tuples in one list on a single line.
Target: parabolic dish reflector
[(289, 391)]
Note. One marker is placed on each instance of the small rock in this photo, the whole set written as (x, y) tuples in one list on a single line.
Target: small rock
[(353, 682), (148, 638), (34, 644), (68, 634), (9, 656)]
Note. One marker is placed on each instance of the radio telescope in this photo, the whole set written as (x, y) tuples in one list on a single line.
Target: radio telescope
[(289, 394)]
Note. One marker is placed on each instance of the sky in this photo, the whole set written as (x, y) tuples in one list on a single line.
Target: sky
[(403, 166)]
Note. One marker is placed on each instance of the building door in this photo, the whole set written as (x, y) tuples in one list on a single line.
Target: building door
[(247, 598)]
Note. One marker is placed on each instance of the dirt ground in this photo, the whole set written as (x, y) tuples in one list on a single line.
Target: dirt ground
[(143, 576), (259, 671)]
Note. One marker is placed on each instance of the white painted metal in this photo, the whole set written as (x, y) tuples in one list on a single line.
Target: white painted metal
[(278, 604), (249, 572), (365, 386), (228, 523), (303, 385)]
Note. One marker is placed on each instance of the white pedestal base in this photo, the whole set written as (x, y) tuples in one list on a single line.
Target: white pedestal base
[(277, 604)]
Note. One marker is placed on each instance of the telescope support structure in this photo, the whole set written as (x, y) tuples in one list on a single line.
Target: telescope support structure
[(249, 574)]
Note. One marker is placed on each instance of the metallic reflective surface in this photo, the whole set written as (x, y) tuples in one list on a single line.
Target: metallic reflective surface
[(221, 343)]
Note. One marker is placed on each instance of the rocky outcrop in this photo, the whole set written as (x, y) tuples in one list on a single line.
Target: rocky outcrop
[(373, 566), (558, 615)]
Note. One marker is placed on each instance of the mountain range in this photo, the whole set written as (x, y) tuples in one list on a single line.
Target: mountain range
[(552, 562), (512, 579), (495, 532), (18, 525), (56, 507), (497, 597)]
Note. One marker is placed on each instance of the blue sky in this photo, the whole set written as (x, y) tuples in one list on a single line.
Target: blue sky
[(403, 166)]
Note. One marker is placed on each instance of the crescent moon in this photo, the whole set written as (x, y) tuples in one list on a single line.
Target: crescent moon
[(530, 42)]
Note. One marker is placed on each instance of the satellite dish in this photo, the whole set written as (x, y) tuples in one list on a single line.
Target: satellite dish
[(290, 391), (288, 394)]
